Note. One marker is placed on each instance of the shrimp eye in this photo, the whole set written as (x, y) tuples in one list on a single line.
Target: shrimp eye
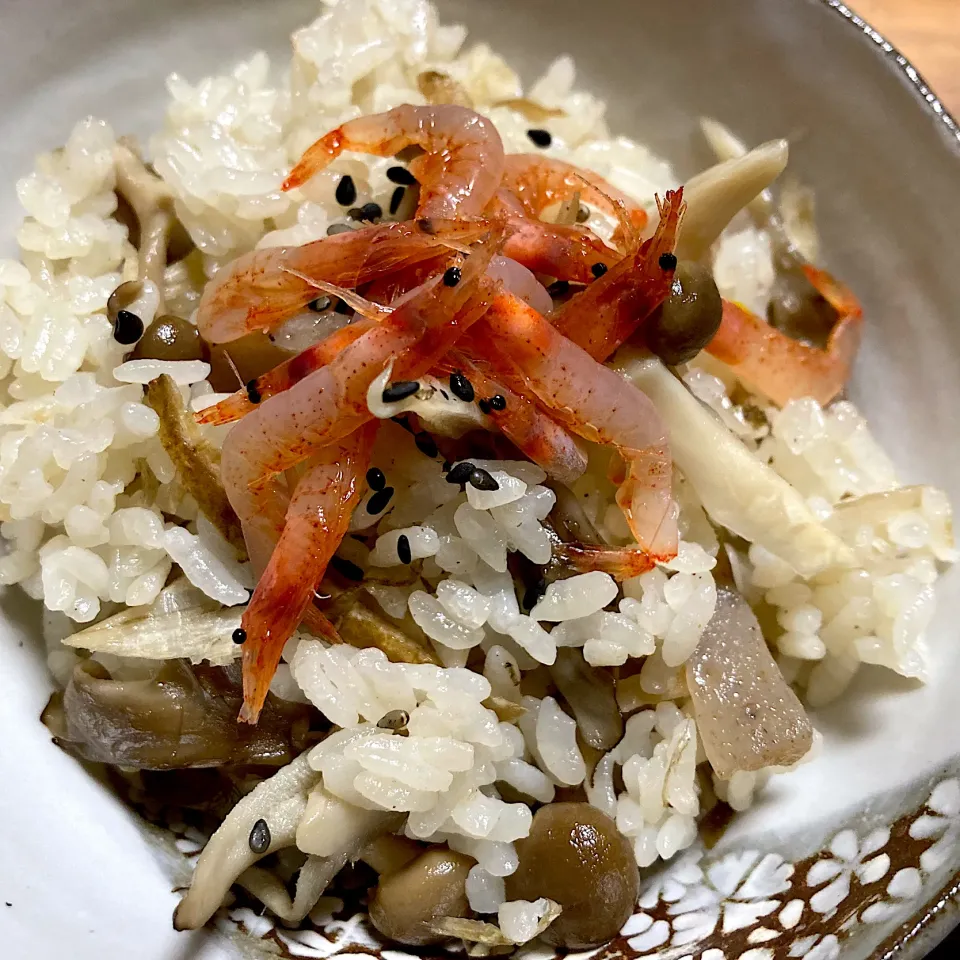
[(452, 277)]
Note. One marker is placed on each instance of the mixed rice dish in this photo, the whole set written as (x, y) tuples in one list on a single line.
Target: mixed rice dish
[(425, 487)]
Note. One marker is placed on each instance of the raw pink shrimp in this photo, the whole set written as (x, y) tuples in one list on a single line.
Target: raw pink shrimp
[(259, 290), (318, 355), (608, 312), (331, 402), (284, 376), (459, 173), (316, 521), (530, 429), (537, 182), (596, 403), (769, 362)]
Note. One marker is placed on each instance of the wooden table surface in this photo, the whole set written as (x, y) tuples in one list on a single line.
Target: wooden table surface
[(927, 33)]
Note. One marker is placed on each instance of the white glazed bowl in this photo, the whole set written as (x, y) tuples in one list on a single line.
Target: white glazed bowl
[(82, 879)]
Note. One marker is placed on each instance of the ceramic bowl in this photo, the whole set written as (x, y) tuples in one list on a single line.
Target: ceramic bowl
[(855, 855)]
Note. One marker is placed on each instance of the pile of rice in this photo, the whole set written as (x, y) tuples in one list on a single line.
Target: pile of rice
[(93, 515)]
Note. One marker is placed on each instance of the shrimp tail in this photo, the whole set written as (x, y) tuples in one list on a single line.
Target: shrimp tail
[(646, 498), (315, 158), (621, 563), (317, 520)]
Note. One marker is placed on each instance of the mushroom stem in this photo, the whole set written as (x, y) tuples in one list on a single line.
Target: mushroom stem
[(197, 462), (281, 801), (152, 203), (715, 196), (314, 877)]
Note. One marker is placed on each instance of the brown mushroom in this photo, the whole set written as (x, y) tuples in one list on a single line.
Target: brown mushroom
[(432, 886), (183, 718), (688, 318), (238, 362), (170, 338), (575, 855)]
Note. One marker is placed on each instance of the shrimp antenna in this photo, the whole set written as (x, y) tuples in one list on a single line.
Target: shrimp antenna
[(233, 367), (366, 308)]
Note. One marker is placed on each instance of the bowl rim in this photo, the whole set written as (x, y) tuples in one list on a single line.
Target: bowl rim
[(931, 103), (921, 933)]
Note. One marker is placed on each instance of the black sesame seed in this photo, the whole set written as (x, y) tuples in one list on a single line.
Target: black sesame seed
[(400, 390), (378, 502), (319, 305), (533, 593), (402, 176), (239, 635), (343, 308), (127, 328), (484, 406), (461, 472), (346, 191), (354, 213), (403, 549), (260, 837), (371, 212), (498, 402), (559, 288), (376, 479), (394, 720), (482, 480), (452, 276), (346, 568), (426, 444), (667, 261), (336, 228), (583, 213), (396, 199), (461, 387), (253, 394), (598, 270), (541, 138)]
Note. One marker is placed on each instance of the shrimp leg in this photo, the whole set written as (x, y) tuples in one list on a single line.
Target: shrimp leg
[(459, 173), (316, 521), (769, 362), (261, 289), (596, 403)]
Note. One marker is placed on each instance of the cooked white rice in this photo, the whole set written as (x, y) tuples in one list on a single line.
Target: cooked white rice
[(86, 527)]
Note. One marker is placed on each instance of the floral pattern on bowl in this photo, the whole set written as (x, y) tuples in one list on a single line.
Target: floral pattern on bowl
[(867, 878)]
